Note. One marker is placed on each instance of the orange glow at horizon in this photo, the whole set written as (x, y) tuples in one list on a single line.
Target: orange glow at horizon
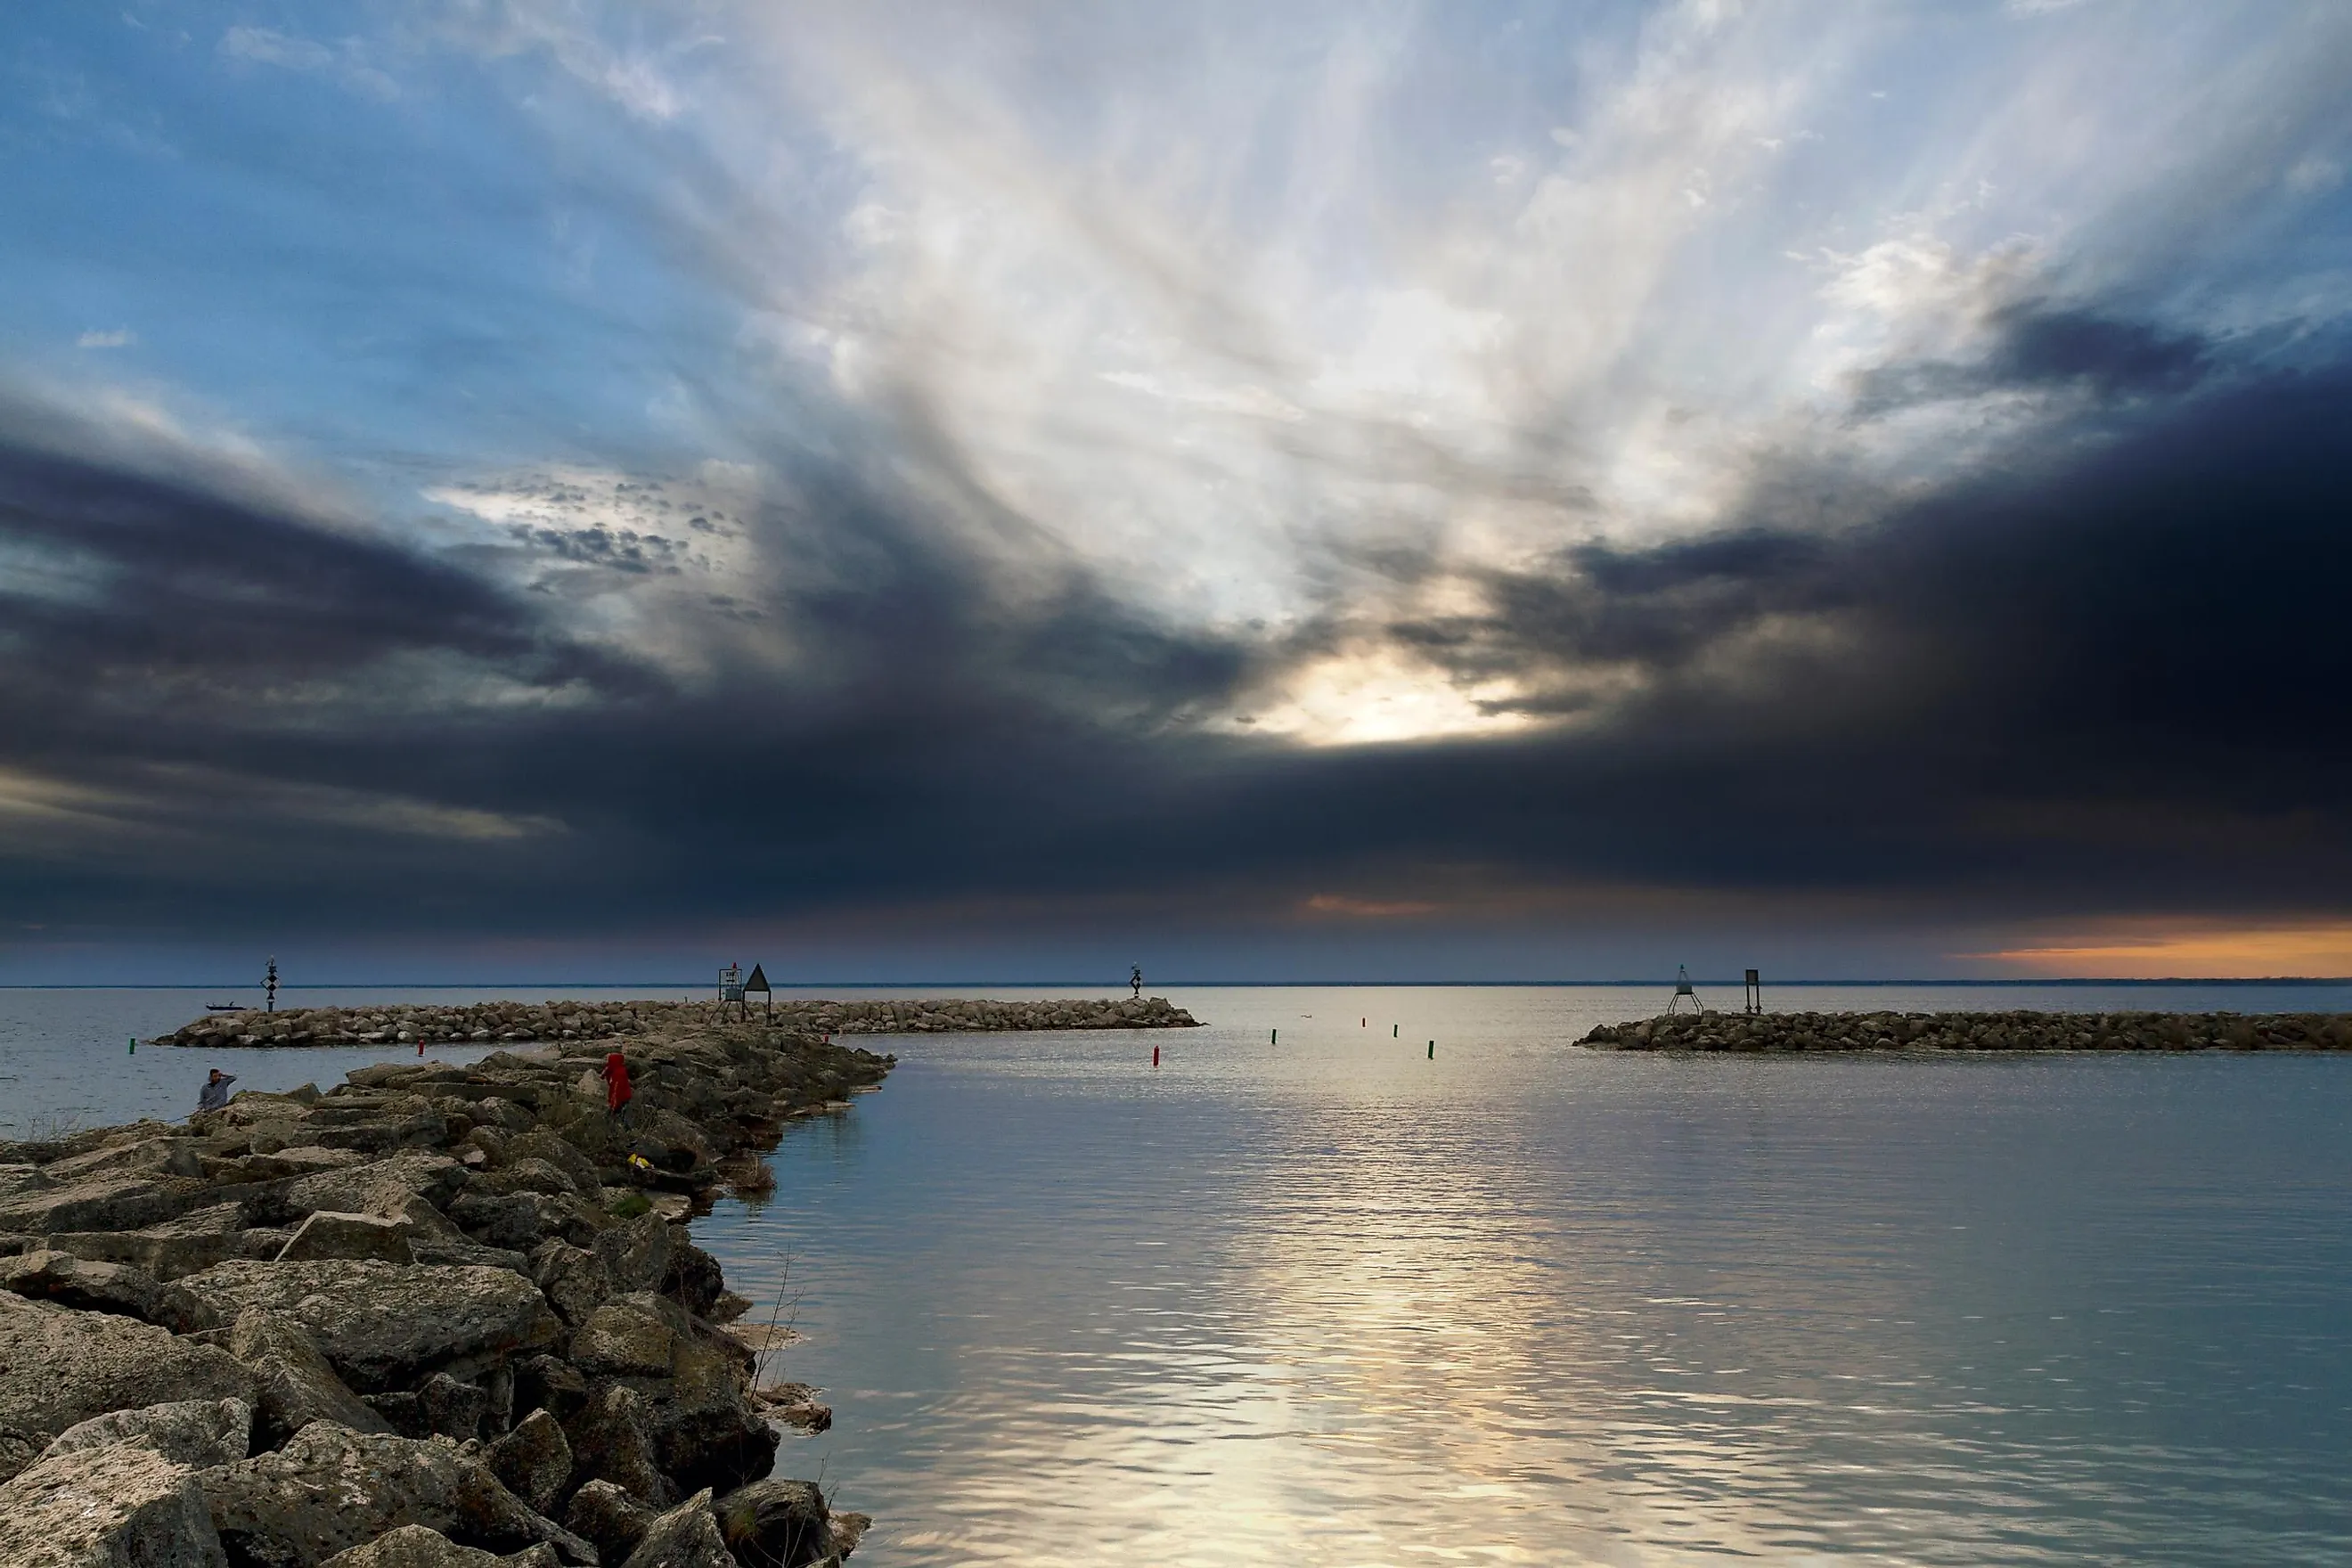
[(2195, 952)]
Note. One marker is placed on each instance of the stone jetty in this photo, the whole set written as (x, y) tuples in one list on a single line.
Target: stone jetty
[(1980, 1032), (521, 1023), (437, 1317)]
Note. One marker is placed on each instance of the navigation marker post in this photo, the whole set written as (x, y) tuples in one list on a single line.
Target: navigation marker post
[(1683, 989), (1755, 993)]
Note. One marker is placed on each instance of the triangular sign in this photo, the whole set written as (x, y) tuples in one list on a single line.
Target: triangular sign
[(759, 981)]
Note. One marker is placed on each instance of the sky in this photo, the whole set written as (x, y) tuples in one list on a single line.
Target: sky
[(495, 488)]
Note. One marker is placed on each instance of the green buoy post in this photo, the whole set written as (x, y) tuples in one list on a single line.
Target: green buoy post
[(1274, 1037), (134, 1046), (1394, 1030), (1432, 1050)]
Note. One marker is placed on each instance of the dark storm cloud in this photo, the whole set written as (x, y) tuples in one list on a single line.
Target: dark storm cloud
[(230, 709), (2118, 668), (2039, 346), (172, 597), (2115, 679)]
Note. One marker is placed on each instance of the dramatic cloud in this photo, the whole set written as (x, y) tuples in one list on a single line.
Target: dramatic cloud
[(1255, 481)]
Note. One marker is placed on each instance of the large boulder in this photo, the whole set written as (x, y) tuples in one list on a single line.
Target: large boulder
[(539, 1145), (71, 1281), (534, 1460), (522, 1220), (59, 1366), (378, 1186), (574, 1279), (775, 1525), (441, 1403), (412, 1546), (686, 1537), (530, 1175), (293, 1384), (550, 1383), (637, 1252), (197, 1432), (121, 1505), (18, 1450), (331, 1488), (705, 1428), (693, 1278), (387, 1325), (610, 1443), (327, 1234), (609, 1518)]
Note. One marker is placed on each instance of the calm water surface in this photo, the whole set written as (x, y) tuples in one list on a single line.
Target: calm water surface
[(1328, 1301)]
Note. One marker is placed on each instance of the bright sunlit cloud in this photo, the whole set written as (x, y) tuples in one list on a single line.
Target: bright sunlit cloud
[(2151, 951)]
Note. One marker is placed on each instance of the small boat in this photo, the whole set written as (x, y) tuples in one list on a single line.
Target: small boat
[(224, 1006)]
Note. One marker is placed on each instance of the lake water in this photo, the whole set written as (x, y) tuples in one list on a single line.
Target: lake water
[(1329, 1301)]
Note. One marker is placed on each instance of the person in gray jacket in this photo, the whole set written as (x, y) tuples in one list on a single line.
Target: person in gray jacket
[(214, 1096)]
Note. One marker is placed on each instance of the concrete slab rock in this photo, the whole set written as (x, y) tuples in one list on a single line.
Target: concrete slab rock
[(528, 1174), (331, 1488), (686, 1537), (164, 1156), (103, 1203), (470, 1255), (59, 1366), (117, 1506), (197, 1432), (386, 1326), (94, 1286)]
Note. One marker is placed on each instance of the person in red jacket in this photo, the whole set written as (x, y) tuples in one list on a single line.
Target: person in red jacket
[(618, 1092)]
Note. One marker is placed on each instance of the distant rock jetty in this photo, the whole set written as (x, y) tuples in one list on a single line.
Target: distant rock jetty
[(438, 1317), (1980, 1032), (523, 1022)]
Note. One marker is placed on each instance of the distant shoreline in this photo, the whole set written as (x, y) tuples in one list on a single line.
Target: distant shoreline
[(703, 986), (1894, 1032)]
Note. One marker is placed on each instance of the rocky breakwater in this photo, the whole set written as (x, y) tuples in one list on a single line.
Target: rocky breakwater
[(435, 1318), (1980, 1032), (519, 1023)]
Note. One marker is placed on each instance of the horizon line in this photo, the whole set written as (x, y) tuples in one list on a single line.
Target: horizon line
[(1637, 982)]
